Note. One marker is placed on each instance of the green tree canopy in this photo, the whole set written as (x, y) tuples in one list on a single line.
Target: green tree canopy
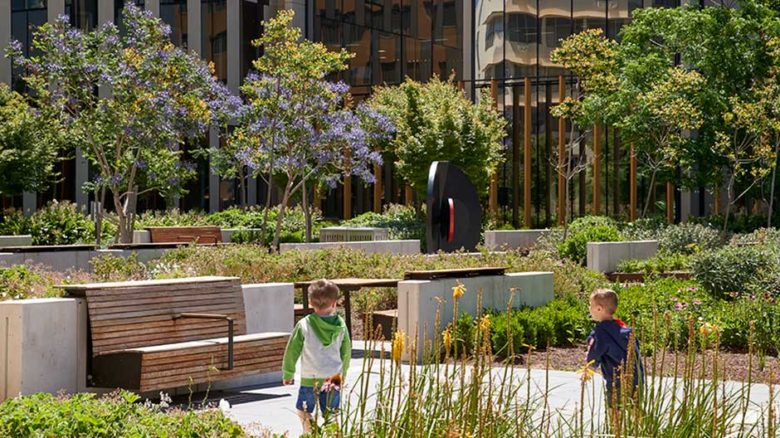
[(435, 121), (27, 152)]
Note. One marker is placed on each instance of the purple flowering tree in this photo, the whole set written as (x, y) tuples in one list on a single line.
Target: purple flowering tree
[(156, 97), (296, 125)]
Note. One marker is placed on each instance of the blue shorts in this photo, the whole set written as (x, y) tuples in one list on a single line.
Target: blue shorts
[(327, 400)]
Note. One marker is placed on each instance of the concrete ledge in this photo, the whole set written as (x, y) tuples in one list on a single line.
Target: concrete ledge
[(606, 256), (419, 300), (511, 239), (44, 346), (407, 247), (20, 240), (268, 307), (77, 259)]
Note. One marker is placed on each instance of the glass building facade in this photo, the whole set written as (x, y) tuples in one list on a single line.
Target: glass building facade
[(492, 46)]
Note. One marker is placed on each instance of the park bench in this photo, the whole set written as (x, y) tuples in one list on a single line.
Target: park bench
[(201, 235), (161, 334)]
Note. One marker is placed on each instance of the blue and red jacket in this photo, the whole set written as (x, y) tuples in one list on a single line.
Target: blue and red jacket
[(608, 347)]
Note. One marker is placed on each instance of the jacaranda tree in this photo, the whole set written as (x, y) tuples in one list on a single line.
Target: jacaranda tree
[(297, 125), (154, 97)]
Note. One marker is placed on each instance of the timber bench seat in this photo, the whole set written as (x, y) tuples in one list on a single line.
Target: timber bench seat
[(161, 334), (201, 235)]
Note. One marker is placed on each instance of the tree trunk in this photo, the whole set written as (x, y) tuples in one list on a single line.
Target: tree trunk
[(242, 187), (280, 216), (650, 191), (772, 188), (729, 201), (306, 211), (264, 225)]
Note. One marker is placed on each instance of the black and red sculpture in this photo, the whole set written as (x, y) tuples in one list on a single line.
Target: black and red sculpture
[(454, 213)]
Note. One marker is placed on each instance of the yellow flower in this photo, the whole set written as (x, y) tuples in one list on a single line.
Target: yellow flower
[(447, 337), (587, 371), (399, 340), (458, 290), (484, 323), (707, 329)]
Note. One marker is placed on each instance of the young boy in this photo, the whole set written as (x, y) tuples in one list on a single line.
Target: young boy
[(321, 341), (608, 343)]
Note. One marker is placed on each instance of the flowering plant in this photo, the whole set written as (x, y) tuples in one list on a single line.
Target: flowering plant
[(128, 101)]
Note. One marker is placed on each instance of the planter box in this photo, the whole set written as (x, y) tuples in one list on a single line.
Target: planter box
[(419, 300), (606, 256), (19, 240), (384, 323), (511, 239), (349, 234), (381, 246)]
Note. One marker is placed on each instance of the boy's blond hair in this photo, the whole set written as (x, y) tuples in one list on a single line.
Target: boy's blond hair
[(606, 298), (323, 293)]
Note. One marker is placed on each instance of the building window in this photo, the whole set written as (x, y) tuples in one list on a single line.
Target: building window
[(174, 13), (494, 27), (119, 6), (555, 29), (521, 28), (83, 13), (214, 38), (26, 16)]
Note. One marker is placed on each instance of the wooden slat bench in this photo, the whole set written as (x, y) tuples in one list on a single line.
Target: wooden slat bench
[(161, 334), (202, 235)]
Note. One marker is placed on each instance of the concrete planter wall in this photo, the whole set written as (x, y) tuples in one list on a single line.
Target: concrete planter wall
[(76, 258), (43, 346), (353, 234), (418, 300), (43, 342), (511, 239), (606, 256), (19, 240), (381, 246)]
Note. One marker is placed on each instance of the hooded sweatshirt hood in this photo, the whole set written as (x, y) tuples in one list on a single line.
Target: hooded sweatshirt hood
[(326, 328)]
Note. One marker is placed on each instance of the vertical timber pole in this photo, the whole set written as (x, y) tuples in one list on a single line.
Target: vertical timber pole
[(632, 185), (515, 156), (527, 155), (377, 188), (561, 155), (597, 169), (493, 191)]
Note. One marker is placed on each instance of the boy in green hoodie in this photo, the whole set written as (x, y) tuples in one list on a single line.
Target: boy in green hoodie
[(321, 341)]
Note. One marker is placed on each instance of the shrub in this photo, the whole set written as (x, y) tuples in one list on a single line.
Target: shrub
[(575, 245), (731, 271), (169, 218), (118, 415), (761, 236), (13, 223), (108, 267), (663, 262), (643, 229), (402, 222), (61, 223), (688, 238), (20, 282), (739, 223)]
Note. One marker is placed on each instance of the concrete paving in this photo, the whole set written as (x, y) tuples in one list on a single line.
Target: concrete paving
[(271, 408)]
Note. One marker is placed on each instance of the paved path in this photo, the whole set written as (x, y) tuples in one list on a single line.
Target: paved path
[(272, 407)]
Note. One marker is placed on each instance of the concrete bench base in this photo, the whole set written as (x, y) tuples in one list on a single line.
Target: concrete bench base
[(20, 240), (419, 300), (606, 256)]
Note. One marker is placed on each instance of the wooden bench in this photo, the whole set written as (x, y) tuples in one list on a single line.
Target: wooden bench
[(161, 334), (202, 235)]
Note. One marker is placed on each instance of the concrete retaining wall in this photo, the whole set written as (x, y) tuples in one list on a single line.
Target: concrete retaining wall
[(418, 300), (353, 234), (144, 236), (605, 256), (76, 259), (379, 246), (511, 239), (20, 240), (44, 346), (43, 342)]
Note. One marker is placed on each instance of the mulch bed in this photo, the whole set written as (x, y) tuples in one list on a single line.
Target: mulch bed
[(736, 365)]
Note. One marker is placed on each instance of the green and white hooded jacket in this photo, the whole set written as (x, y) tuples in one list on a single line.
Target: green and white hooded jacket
[(323, 345)]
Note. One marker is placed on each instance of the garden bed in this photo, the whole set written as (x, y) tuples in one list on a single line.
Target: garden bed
[(639, 277)]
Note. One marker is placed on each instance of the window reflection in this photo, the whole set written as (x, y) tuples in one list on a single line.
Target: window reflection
[(26, 16), (82, 13), (214, 35), (174, 12)]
